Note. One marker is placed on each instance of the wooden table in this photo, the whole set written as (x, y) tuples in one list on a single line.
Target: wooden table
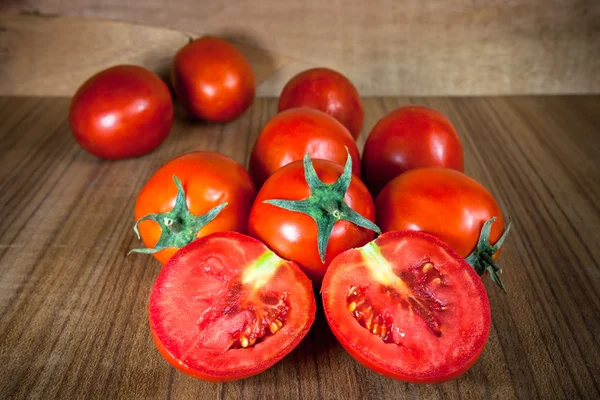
[(73, 319)]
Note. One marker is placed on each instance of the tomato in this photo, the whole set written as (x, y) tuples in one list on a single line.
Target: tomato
[(408, 307), (310, 211), (121, 112), (292, 133), (328, 91), (213, 80), (225, 307), (407, 138), (191, 196), (449, 205)]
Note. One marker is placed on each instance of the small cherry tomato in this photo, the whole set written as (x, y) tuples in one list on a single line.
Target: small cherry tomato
[(408, 307), (192, 196), (310, 211), (121, 112), (225, 307), (213, 80), (407, 138), (328, 91), (450, 205), (292, 133)]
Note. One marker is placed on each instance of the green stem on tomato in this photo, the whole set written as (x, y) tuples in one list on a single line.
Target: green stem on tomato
[(178, 226), (326, 204)]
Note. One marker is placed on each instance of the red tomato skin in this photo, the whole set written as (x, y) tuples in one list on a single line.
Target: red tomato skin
[(440, 201), (213, 79), (209, 179), (328, 91), (289, 135), (293, 235), (154, 313), (408, 138), (121, 112), (351, 258)]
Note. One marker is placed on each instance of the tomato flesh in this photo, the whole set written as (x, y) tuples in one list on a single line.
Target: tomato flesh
[(225, 307), (407, 307)]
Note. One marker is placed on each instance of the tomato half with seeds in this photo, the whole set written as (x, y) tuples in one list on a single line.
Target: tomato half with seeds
[(408, 307), (326, 90), (450, 205), (225, 307), (191, 196)]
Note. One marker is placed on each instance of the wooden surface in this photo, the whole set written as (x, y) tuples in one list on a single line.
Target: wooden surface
[(73, 318), (55, 55), (388, 47)]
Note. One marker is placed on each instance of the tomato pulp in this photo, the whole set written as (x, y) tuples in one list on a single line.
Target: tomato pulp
[(214, 194), (225, 307), (328, 91), (213, 79), (408, 307), (408, 138), (121, 112)]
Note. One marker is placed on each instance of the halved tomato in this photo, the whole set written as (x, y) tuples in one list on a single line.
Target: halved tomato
[(408, 307), (225, 307)]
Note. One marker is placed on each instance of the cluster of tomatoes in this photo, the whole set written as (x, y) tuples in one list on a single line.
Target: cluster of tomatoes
[(399, 276)]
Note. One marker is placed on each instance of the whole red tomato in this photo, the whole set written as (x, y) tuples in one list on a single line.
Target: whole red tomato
[(123, 111), (407, 138), (325, 90), (292, 133), (192, 196), (213, 80), (309, 212), (450, 205)]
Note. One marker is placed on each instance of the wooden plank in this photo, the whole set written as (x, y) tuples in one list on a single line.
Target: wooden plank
[(53, 56), (73, 319), (391, 47)]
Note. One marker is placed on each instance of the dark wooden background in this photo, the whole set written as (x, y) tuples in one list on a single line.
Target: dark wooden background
[(73, 319)]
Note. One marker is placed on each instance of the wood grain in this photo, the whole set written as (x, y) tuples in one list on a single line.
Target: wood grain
[(73, 319), (389, 47), (51, 55)]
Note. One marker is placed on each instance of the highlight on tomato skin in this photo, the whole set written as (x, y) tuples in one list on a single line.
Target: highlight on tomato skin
[(225, 307), (407, 307), (326, 90), (409, 137), (292, 133)]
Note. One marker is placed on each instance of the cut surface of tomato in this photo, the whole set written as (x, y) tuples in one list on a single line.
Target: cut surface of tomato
[(408, 307), (225, 307)]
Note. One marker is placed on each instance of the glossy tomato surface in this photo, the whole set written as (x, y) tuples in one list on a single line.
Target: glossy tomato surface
[(408, 307), (440, 201), (121, 112), (225, 307), (408, 138), (293, 235), (289, 135), (328, 91), (213, 79), (208, 179)]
